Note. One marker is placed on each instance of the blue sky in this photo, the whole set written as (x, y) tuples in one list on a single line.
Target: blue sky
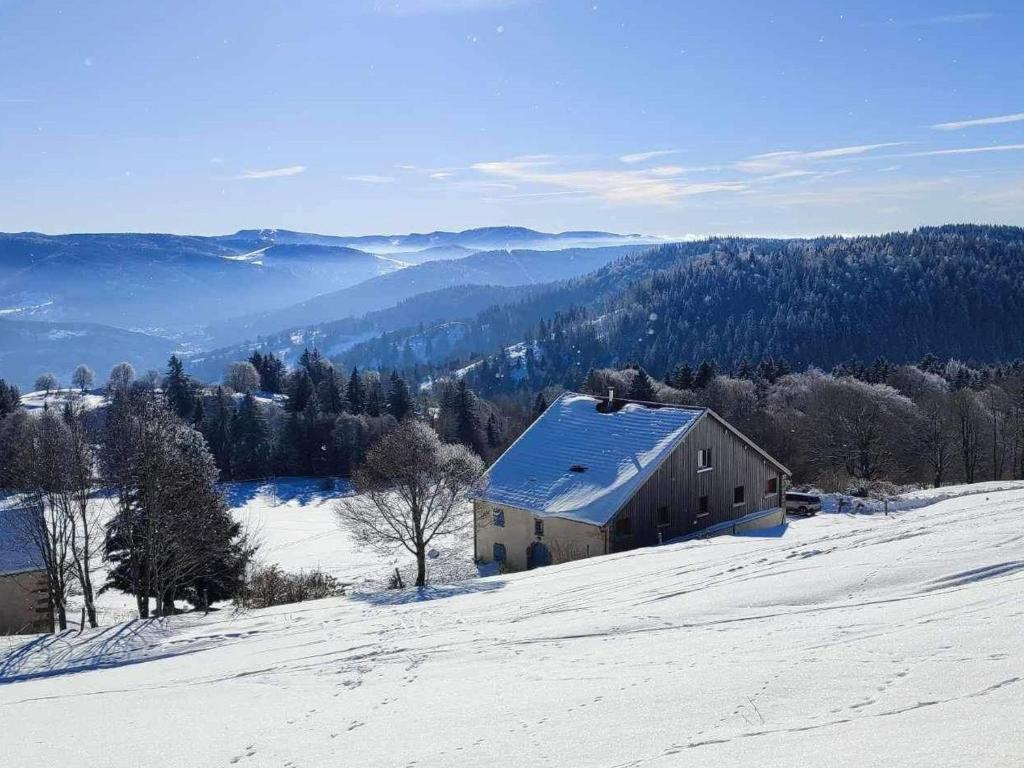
[(359, 116)]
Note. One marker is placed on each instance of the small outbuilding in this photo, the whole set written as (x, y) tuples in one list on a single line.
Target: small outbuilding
[(24, 597), (593, 476)]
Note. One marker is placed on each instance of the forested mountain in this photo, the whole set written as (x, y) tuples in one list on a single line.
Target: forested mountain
[(168, 283), (501, 268), (333, 338), (954, 291), (30, 348)]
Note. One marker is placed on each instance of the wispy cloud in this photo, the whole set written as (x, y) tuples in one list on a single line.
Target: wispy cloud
[(966, 150), (656, 185), (999, 120), (273, 173), (776, 161), (641, 157), (371, 178)]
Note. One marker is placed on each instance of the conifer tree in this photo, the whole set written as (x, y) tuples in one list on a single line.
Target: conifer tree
[(250, 441), (705, 375), (10, 398), (641, 388), (540, 404), (356, 392), (399, 399), (179, 389)]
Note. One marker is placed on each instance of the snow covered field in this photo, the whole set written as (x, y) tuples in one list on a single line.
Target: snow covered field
[(842, 640), (293, 520)]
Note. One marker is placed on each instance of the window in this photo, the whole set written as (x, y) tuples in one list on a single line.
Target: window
[(499, 553), (702, 506), (499, 518), (772, 486), (538, 527), (704, 458), (737, 495), (577, 468), (663, 516), (623, 526)]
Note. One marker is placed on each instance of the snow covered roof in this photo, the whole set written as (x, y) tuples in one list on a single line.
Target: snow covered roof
[(581, 463), (16, 555)]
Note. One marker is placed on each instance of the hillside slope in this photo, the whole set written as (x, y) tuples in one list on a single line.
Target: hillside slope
[(840, 641), (496, 268), (167, 282), (29, 348)]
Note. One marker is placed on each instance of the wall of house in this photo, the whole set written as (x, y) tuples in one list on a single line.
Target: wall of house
[(23, 604), (678, 485), (565, 539)]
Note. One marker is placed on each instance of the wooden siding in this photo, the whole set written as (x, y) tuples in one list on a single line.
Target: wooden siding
[(678, 486)]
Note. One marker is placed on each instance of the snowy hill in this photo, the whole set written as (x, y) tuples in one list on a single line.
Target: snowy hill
[(843, 640)]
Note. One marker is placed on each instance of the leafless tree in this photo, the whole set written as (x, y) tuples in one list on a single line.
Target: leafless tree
[(242, 377), (969, 418), (47, 382), (83, 377), (121, 377), (411, 488)]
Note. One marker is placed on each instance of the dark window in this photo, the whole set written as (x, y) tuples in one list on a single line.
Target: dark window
[(737, 494), (702, 505), (662, 515), (499, 518), (704, 458), (772, 486), (577, 468), (623, 526), (499, 553), (538, 527)]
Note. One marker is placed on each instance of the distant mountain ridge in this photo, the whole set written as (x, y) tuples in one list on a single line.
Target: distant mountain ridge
[(481, 238), (492, 268)]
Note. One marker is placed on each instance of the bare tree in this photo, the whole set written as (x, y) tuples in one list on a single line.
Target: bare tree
[(47, 382), (411, 488), (969, 418), (121, 377), (48, 525), (242, 377), (937, 434), (83, 377)]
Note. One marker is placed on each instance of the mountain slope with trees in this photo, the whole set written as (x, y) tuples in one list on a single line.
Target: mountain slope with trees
[(953, 291)]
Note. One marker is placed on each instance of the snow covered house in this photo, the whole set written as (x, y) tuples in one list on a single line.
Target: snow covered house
[(24, 601), (598, 475)]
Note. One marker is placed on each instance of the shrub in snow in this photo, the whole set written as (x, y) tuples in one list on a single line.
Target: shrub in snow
[(269, 586)]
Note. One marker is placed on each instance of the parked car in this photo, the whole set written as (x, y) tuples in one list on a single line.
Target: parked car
[(802, 503)]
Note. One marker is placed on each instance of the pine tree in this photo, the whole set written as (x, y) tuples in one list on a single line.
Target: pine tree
[(467, 418), (540, 404), (493, 432), (399, 399), (179, 389), (250, 441), (10, 398), (356, 392), (216, 428), (682, 377), (332, 397), (705, 375), (300, 391), (641, 388), (375, 404)]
